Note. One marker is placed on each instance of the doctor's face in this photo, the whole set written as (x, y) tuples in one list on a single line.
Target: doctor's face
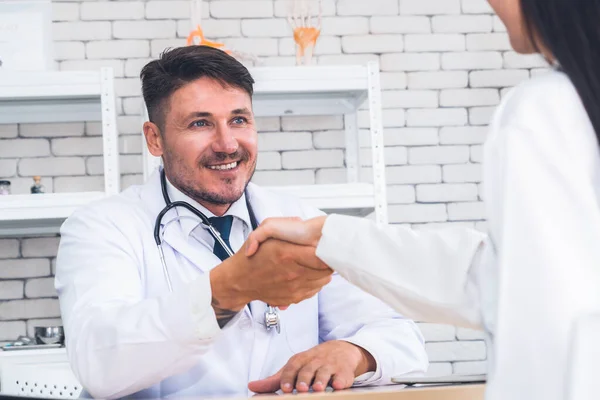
[(209, 142)]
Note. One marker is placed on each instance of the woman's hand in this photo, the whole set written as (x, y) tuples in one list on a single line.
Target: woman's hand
[(293, 230)]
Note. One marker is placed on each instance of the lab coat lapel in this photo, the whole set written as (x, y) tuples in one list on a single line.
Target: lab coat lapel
[(264, 206)]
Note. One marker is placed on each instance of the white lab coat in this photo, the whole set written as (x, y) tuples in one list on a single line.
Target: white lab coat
[(125, 333), (538, 271)]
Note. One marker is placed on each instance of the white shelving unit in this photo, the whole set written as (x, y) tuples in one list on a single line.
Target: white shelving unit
[(326, 90), (53, 96)]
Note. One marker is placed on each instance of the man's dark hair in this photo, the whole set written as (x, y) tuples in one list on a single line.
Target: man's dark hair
[(179, 66)]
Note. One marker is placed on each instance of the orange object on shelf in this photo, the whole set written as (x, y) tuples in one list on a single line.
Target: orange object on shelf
[(196, 37), (306, 37)]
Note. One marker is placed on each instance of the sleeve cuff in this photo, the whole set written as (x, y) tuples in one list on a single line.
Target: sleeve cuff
[(368, 378)]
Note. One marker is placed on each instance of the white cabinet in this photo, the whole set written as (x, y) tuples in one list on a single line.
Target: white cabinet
[(327, 90), (53, 96)]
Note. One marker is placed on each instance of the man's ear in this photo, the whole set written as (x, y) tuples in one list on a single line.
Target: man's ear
[(154, 140)]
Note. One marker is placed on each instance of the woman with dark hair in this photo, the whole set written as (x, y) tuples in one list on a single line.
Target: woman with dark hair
[(537, 274)]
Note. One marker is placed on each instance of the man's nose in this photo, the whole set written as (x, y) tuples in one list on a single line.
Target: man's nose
[(225, 141)]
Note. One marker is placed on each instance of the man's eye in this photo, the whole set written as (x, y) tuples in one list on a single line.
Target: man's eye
[(200, 124), (239, 120)]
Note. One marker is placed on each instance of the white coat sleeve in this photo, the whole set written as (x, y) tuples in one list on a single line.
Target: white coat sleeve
[(118, 341), (425, 275)]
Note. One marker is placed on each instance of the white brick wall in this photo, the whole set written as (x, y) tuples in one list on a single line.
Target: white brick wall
[(445, 64)]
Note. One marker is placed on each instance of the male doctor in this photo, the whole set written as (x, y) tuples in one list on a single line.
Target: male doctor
[(128, 334)]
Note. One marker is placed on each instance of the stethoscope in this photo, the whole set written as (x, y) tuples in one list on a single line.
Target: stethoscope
[(271, 313)]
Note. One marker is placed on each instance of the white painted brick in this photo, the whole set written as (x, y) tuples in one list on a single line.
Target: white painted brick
[(133, 66), (52, 129), (212, 28), (469, 334), (113, 10), (32, 323), (498, 24), (393, 80), (410, 99), (256, 46), (412, 174), (372, 7), (11, 330), (332, 139), (118, 49), (23, 185), (347, 59), (462, 173), (40, 247), (514, 60), (446, 192), (132, 105), (429, 7), (409, 137), (400, 194), (477, 154), (417, 213), (438, 80), (8, 131), (285, 8), (312, 123), (372, 44), (69, 184), (144, 29), (130, 180), (325, 45), (331, 175), (410, 62), (81, 30), (392, 155), (437, 332), (241, 9), (469, 97), (266, 28), (24, 268), (342, 26), (52, 166), (26, 309), (398, 24), (94, 65), (157, 46), (472, 60), (131, 144), (442, 225), (283, 178), (466, 211), (482, 226), (462, 24), (437, 117), (9, 248), (438, 155), (439, 369), (174, 10), (69, 51), (284, 141), (463, 135), (487, 41), (469, 368), (95, 166), (481, 115), (65, 11), (268, 124), (11, 148), (279, 61), (125, 87), (498, 78), (539, 71), (127, 124), (391, 118), (8, 167), (10, 290), (434, 42), (312, 159), (269, 160), (43, 287), (84, 146), (476, 7), (452, 351)]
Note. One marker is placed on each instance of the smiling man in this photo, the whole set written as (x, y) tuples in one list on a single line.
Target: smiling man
[(196, 325)]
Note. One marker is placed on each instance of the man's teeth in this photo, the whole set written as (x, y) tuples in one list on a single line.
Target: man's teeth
[(224, 167)]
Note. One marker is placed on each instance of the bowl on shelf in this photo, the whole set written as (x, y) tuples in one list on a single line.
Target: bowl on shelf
[(49, 334)]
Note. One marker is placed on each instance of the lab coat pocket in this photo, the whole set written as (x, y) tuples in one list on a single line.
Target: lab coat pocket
[(300, 323)]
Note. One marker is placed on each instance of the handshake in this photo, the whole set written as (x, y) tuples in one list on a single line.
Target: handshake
[(276, 265)]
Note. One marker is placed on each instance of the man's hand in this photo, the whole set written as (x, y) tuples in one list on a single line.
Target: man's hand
[(336, 361), (279, 274)]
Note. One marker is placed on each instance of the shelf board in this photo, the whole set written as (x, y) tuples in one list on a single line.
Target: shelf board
[(356, 199), (33, 214)]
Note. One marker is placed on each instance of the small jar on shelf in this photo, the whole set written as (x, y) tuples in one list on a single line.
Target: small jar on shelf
[(4, 187), (37, 185)]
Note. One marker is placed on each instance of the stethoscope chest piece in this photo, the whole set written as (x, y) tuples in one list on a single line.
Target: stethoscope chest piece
[(272, 319)]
